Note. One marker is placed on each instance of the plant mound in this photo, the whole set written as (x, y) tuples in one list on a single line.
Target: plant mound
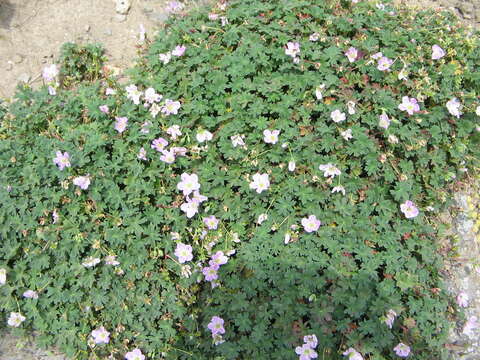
[(260, 190)]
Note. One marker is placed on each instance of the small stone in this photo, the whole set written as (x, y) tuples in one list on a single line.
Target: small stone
[(122, 6), (108, 32), (87, 28), (17, 59), (120, 18), (25, 78)]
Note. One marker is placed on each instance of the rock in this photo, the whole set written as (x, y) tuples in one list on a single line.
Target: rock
[(120, 18), (25, 78), (122, 6), (17, 59), (87, 28)]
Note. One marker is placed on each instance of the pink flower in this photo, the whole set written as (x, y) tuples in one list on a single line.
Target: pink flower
[(174, 6), (271, 137), (409, 209), (306, 352), (62, 160), (82, 181), (121, 124), (376, 56), (260, 182), (211, 222), (384, 63), (216, 325), (30, 294), (410, 105), (462, 299), (454, 106), (159, 144), (210, 273), (174, 131), (213, 16), (179, 151), (101, 336), (104, 109), (353, 354), (188, 184), (311, 223), (292, 49), (351, 54), (337, 116), (402, 350), (384, 121), (179, 50), (437, 52), (218, 259), (170, 107), (183, 253), (135, 354), (168, 156)]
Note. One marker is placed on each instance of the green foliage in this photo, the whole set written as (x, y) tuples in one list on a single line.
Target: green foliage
[(81, 63), (338, 282)]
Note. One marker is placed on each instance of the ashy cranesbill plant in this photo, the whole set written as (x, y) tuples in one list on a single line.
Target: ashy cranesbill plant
[(261, 189)]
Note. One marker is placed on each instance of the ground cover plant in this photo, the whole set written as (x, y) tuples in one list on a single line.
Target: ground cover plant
[(261, 189)]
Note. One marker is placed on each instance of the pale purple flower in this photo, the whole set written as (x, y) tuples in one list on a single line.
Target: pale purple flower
[(82, 181), (151, 96), (311, 340), (183, 252), (311, 223), (155, 109), (165, 58), (188, 184), (120, 124), (402, 350), (51, 91), (204, 135), (329, 170), (142, 154), (101, 336), (351, 107), (50, 72), (271, 137), (211, 222), (135, 354), (237, 140), (133, 94), (390, 318), (145, 127), (224, 20), (62, 160), (190, 208), (353, 354), (111, 260), (409, 209), (314, 37), (110, 91), (337, 116), (91, 262), (410, 105), (213, 16), (171, 107), (437, 52), (218, 259), (305, 352), (260, 182), (470, 326), (261, 218), (15, 319), (179, 151), (292, 49), (179, 50), (462, 299), (3, 276), (291, 165), (351, 54), (347, 134), (216, 325), (30, 294), (174, 131), (210, 273), (104, 109), (174, 6), (339, 188), (454, 107), (384, 121), (168, 156), (376, 56), (384, 63), (159, 144)]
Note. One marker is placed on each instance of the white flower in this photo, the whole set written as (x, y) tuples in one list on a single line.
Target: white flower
[(186, 271), (111, 260), (30, 294), (151, 96), (339, 188), (174, 131), (82, 181), (237, 140), (291, 165), (204, 135), (168, 156), (437, 52), (329, 170), (133, 94), (477, 111), (91, 262), (155, 109), (337, 116), (3, 276), (392, 139), (190, 208), (462, 299), (384, 121), (188, 184), (271, 137), (165, 58), (292, 49), (260, 182), (347, 134), (170, 107), (351, 107), (50, 72), (454, 106), (261, 218), (470, 326), (314, 37), (318, 92), (402, 75), (235, 238), (353, 354), (15, 319)]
